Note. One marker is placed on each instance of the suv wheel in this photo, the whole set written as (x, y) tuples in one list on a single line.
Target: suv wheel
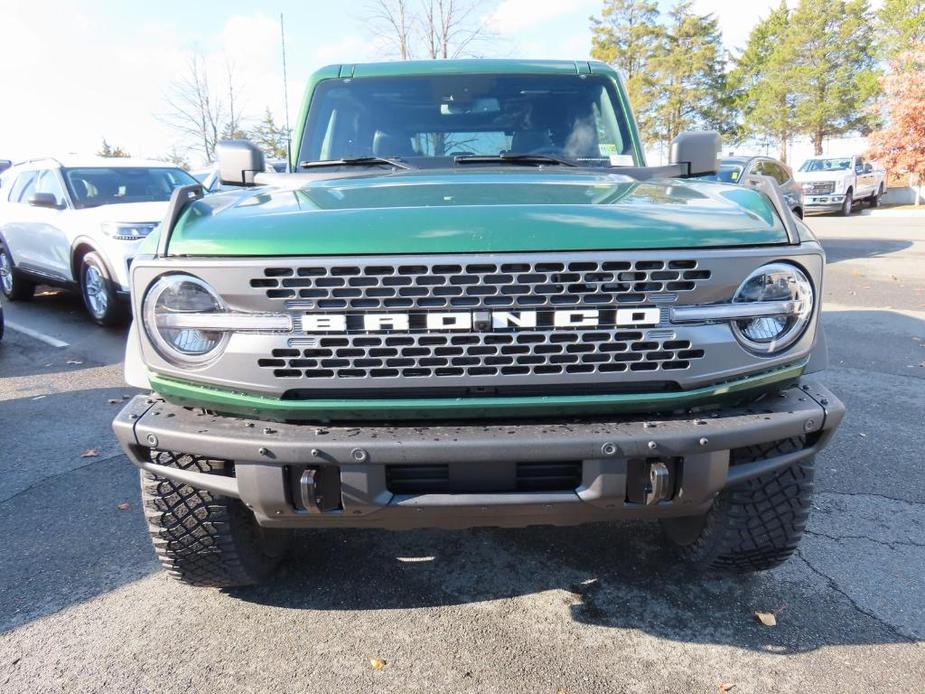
[(99, 293), (846, 206), (14, 285), (753, 526), (204, 539)]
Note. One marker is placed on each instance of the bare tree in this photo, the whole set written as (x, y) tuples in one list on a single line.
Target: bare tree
[(202, 112), (392, 21), (430, 28), (450, 27)]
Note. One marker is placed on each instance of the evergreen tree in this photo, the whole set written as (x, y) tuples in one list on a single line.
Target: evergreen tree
[(109, 151), (763, 82), (627, 36), (272, 138), (834, 75), (901, 27), (689, 70)]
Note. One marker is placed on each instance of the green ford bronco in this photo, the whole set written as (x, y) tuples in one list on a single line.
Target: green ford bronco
[(471, 303)]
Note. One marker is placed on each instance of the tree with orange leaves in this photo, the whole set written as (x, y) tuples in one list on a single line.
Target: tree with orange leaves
[(900, 144)]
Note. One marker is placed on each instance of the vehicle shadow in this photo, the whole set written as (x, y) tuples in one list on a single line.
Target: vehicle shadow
[(838, 250), (621, 576)]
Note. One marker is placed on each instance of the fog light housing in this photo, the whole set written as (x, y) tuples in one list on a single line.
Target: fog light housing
[(775, 282), (176, 295)]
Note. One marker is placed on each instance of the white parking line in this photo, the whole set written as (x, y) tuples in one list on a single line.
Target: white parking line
[(47, 339)]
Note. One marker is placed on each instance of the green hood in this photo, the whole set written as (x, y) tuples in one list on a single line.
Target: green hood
[(485, 210)]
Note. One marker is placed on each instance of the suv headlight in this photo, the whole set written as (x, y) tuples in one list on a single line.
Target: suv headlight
[(784, 285), (128, 231), (167, 305)]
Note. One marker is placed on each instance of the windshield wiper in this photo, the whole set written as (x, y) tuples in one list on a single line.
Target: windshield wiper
[(357, 161), (507, 157)]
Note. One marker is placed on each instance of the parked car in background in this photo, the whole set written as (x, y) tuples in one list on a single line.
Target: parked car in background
[(77, 223), (208, 175), (834, 184), (737, 170)]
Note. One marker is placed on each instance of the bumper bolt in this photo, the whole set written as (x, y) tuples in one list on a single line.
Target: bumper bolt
[(609, 449), (315, 453), (263, 451), (809, 425), (704, 441), (359, 455), (652, 445), (152, 440), (268, 430)]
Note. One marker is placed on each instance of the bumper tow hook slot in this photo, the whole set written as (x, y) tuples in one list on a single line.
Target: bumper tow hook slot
[(659, 487), (310, 499)]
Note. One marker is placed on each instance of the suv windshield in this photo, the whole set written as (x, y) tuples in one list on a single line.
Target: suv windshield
[(430, 120), (840, 164), (101, 185), (728, 173)]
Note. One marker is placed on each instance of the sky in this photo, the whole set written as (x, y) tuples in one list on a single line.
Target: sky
[(77, 72)]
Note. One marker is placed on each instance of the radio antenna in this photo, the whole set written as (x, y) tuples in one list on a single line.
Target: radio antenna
[(282, 34)]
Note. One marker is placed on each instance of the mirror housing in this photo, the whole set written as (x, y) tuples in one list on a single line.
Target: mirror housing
[(868, 168), (45, 200), (698, 152), (238, 162)]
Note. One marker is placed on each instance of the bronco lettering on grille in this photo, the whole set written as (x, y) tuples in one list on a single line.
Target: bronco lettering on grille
[(480, 321)]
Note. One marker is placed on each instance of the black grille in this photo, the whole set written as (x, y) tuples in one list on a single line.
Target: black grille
[(478, 285), (524, 353), (475, 478)]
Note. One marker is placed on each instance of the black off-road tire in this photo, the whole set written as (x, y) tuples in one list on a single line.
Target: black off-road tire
[(20, 288), (202, 538), (753, 526)]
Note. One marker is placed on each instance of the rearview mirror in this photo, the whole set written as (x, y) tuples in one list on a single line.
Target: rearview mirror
[(698, 151), (238, 161), (45, 200)]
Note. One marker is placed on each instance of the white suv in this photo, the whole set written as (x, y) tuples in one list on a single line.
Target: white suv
[(77, 223)]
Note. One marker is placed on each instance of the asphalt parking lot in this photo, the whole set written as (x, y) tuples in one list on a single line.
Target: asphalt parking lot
[(84, 607)]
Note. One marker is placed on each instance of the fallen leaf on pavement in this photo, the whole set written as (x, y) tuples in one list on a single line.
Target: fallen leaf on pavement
[(90, 453), (123, 506), (863, 435), (114, 401), (725, 687), (377, 663), (766, 618)]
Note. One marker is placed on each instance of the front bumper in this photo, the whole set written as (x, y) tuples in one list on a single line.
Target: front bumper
[(356, 466), (822, 203)]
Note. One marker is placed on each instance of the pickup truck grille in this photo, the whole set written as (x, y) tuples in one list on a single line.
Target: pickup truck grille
[(819, 188), (525, 353), (477, 285)]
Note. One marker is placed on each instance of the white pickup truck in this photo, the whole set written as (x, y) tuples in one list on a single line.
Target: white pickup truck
[(835, 183)]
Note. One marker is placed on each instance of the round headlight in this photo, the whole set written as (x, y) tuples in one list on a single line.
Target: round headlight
[(776, 282), (166, 302)]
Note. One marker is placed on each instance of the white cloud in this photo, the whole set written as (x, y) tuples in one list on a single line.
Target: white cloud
[(515, 16)]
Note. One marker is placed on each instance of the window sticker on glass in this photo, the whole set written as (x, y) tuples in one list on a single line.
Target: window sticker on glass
[(734, 175), (621, 160)]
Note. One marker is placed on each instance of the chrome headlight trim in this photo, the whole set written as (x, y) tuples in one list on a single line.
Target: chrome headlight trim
[(799, 309), (153, 322)]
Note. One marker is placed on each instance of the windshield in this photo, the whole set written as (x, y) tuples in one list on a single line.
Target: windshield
[(840, 164), (102, 185), (728, 173), (428, 121)]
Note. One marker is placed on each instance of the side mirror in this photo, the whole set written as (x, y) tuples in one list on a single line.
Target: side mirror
[(697, 151), (868, 168), (238, 161), (45, 200)]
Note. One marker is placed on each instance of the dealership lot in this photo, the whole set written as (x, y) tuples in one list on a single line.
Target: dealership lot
[(83, 606)]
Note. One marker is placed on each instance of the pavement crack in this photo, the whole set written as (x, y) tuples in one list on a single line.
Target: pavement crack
[(877, 496), (42, 481), (892, 545), (833, 585)]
